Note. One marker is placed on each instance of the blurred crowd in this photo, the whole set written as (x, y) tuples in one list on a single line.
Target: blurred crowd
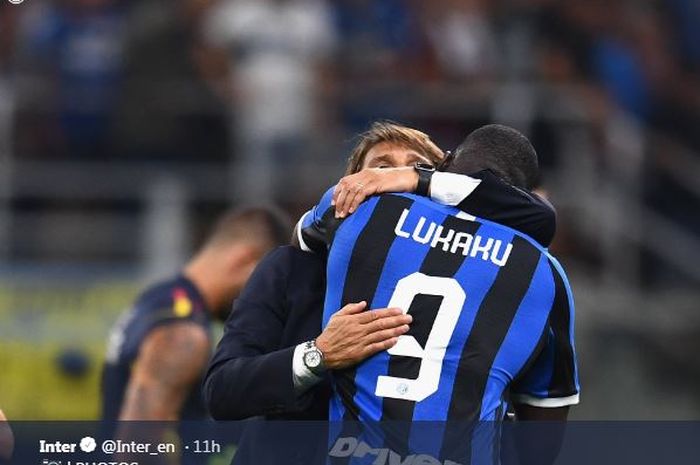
[(260, 82), (166, 79)]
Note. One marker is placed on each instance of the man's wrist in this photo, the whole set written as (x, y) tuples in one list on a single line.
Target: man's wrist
[(425, 174), (302, 376), (313, 358), (411, 182)]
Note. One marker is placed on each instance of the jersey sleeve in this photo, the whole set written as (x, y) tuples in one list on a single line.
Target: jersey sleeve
[(317, 226), (176, 306), (484, 195), (552, 379)]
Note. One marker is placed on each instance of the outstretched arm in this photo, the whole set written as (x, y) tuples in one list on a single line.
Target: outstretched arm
[(252, 374), (354, 188), (480, 194)]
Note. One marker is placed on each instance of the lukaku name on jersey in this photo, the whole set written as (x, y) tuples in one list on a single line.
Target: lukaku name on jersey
[(451, 240)]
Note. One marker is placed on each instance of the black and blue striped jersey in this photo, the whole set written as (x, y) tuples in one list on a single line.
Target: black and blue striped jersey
[(492, 311)]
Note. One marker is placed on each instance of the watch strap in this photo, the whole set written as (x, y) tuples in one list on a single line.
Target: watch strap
[(425, 174)]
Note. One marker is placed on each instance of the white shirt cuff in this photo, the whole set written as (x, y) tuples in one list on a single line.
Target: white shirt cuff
[(303, 377), (549, 402), (451, 188)]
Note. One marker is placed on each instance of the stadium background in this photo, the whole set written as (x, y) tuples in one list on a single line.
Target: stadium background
[(127, 126)]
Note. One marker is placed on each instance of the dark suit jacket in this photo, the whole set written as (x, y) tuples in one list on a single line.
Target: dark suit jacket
[(251, 372)]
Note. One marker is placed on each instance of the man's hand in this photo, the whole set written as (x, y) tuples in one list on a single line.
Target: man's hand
[(353, 334), (354, 188)]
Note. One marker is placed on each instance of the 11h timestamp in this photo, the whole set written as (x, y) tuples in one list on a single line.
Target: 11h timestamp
[(205, 446)]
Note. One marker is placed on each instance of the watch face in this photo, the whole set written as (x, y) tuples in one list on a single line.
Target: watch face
[(312, 359)]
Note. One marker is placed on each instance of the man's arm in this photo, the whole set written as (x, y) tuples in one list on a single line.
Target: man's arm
[(524, 412), (543, 393), (315, 229), (536, 437), (354, 188), (539, 432), (251, 373), (353, 334), (481, 194), (169, 364), (488, 197)]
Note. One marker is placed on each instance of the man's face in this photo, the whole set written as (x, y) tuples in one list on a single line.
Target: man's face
[(390, 155)]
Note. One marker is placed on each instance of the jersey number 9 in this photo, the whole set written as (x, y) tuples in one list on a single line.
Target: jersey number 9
[(433, 354)]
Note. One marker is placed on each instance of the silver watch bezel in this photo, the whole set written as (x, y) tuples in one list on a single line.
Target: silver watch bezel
[(309, 349)]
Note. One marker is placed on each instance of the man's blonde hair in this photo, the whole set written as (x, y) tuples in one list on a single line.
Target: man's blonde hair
[(387, 131)]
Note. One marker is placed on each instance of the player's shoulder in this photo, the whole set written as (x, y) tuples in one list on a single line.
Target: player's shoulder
[(558, 271), (428, 205), (174, 297)]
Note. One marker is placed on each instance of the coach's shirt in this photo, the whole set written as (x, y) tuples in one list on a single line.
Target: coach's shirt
[(171, 301), (492, 310)]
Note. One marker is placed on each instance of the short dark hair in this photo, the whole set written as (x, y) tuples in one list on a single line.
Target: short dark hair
[(503, 150), (267, 225)]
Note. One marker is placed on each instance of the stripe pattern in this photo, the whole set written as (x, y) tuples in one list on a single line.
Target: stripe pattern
[(514, 312), (363, 272)]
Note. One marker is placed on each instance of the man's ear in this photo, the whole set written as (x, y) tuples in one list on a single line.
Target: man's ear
[(242, 255)]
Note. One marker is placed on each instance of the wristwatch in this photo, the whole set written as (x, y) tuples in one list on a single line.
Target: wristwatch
[(313, 358), (425, 173)]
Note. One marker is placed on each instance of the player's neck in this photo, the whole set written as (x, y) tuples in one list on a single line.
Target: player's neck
[(202, 275)]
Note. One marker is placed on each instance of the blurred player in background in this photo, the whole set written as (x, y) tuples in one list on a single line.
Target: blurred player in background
[(157, 352)]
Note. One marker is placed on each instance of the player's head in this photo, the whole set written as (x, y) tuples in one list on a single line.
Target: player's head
[(391, 145), (501, 149), (234, 247)]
